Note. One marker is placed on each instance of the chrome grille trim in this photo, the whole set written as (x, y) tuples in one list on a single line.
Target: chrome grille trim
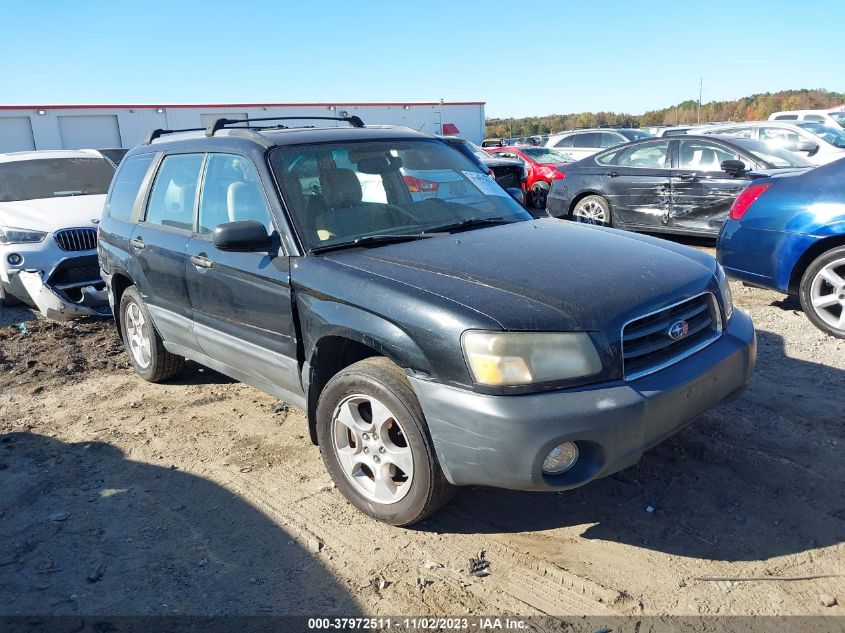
[(641, 334), (72, 240)]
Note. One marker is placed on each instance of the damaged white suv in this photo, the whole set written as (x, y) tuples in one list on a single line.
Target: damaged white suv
[(50, 205)]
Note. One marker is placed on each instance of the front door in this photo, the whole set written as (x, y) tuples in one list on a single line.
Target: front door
[(242, 302), (159, 243), (702, 192)]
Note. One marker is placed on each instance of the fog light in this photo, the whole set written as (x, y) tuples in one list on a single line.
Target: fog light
[(560, 459), (14, 259)]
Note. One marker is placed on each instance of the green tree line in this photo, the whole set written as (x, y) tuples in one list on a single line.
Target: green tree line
[(755, 107)]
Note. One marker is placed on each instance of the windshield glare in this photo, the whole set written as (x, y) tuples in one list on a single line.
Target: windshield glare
[(777, 157), (545, 156), (839, 117), (54, 178), (341, 192), (834, 136)]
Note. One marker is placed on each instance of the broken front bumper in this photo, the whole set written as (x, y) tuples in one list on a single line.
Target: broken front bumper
[(56, 304)]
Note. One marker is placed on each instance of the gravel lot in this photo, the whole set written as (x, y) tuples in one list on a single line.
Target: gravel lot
[(201, 497)]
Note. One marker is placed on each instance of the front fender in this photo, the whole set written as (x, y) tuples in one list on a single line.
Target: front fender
[(321, 318)]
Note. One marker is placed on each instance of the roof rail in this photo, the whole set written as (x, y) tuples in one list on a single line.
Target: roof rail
[(219, 124), (154, 134)]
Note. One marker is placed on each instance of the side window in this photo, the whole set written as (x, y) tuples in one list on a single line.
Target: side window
[(172, 198), (813, 117), (608, 139), (737, 132), (231, 192), (566, 141), (649, 155), (588, 140), (127, 183), (778, 137), (786, 117), (704, 156)]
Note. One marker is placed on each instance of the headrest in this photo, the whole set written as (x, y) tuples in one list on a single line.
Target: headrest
[(341, 188)]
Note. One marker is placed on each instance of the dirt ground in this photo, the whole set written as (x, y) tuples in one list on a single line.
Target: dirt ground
[(200, 497)]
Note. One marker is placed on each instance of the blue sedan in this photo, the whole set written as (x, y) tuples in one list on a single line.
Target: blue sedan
[(787, 233)]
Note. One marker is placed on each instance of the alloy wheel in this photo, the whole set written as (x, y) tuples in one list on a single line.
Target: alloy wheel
[(372, 449), (590, 212), (137, 336), (827, 294)]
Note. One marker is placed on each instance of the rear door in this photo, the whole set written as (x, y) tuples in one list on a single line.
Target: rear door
[(242, 307), (637, 182), (159, 244), (702, 192)]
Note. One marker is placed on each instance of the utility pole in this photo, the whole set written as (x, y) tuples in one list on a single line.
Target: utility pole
[(700, 90)]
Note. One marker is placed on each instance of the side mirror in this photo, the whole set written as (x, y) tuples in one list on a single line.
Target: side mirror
[(516, 194), (241, 236), (806, 146), (733, 166)]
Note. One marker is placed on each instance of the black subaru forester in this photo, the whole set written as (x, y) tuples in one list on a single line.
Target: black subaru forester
[(434, 332)]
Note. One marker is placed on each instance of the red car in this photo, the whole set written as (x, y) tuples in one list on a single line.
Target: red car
[(542, 165)]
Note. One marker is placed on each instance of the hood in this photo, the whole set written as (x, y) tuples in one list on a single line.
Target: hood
[(544, 274), (52, 214)]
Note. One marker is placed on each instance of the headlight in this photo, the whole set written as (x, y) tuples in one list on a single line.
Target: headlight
[(522, 358), (725, 291), (20, 236)]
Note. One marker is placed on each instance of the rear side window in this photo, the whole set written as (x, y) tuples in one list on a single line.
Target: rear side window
[(566, 141), (127, 183), (175, 189), (786, 117), (813, 117)]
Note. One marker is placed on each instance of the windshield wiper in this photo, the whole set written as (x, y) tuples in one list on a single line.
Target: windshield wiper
[(373, 239), (471, 222)]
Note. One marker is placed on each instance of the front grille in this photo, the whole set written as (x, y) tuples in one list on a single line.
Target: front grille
[(647, 345), (76, 239)]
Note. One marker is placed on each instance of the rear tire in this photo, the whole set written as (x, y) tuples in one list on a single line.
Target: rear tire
[(375, 444), (593, 210), (822, 292), (150, 360), (539, 194)]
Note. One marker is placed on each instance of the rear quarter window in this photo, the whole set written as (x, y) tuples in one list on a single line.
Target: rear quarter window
[(127, 185)]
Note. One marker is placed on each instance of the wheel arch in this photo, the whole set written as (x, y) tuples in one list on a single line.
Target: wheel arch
[(815, 250), (119, 282)]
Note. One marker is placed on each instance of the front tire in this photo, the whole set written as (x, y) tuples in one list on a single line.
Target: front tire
[(375, 444), (593, 210), (150, 360), (822, 292)]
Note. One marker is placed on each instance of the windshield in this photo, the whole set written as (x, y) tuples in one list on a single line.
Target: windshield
[(839, 117), (545, 156), (338, 193), (635, 135), (54, 178), (777, 157), (834, 136)]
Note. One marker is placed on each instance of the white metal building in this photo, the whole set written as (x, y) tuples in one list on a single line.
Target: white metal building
[(106, 126)]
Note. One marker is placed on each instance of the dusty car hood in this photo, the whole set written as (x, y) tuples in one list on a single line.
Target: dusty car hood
[(51, 214), (544, 274)]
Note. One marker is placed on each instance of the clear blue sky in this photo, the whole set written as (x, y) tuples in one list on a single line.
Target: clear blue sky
[(521, 58)]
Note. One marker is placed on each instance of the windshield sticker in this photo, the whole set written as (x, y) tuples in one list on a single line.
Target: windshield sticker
[(485, 183)]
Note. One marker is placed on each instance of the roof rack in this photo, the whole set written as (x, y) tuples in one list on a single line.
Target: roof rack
[(154, 134), (219, 124)]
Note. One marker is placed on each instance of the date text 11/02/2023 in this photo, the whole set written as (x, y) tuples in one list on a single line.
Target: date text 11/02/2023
[(418, 623)]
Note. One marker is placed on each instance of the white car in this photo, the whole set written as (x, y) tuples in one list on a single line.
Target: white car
[(833, 118), (821, 144), (582, 143), (50, 205)]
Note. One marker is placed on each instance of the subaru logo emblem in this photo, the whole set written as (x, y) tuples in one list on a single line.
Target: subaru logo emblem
[(678, 330)]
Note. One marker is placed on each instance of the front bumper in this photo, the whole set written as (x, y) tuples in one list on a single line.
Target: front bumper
[(501, 441)]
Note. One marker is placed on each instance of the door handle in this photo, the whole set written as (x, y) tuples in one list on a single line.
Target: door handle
[(613, 174), (201, 261), (138, 242), (688, 176)]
